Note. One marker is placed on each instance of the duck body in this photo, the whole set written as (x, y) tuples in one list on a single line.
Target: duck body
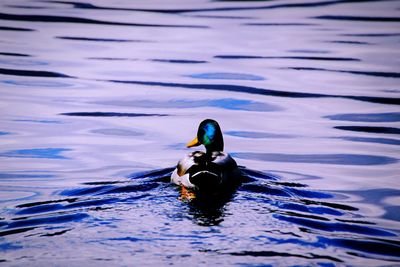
[(210, 171), (199, 171)]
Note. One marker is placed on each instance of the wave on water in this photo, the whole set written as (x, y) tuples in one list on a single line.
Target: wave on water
[(94, 92), (317, 215)]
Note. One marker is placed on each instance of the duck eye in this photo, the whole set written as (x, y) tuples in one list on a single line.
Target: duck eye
[(201, 133)]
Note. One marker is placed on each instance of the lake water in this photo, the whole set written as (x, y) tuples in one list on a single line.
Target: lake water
[(98, 100)]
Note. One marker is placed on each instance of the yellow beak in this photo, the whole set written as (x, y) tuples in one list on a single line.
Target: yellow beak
[(194, 142)]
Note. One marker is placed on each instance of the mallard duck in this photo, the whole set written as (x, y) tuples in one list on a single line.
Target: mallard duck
[(206, 171)]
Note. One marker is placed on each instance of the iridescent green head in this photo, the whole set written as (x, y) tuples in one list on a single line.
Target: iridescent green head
[(209, 134)]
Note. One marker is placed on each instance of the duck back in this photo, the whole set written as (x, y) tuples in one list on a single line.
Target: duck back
[(205, 172)]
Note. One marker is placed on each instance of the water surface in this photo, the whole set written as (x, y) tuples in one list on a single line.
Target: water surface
[(98, 100)]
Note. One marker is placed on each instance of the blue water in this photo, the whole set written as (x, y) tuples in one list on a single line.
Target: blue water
[(99, 99)]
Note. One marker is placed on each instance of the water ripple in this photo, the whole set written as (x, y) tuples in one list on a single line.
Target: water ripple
[(368, 73), (109, 114), (40, 153), (370, 129), (65, 19), (30, 83), (33, 73), (14, 54), (247, 134), (255, 253), (371, 34), (117, 132), (287, 201), (97, 39), (349, 42), (287, 57), (359, 18), (386, 141), (179, 61), (369, 246), (55, 199), (224, 103), (16, 29), (80, 5), (368, 117), (279, 24), (337, 159), (23, 223), (261, 91), (334, 227), (227, 76)]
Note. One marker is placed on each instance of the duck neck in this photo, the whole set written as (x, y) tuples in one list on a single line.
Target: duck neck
[(214, 148)]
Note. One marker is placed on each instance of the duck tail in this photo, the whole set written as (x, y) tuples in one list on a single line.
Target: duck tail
[(206, 180)]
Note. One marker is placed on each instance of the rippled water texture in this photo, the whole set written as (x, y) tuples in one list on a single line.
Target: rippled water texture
[(98, 100)]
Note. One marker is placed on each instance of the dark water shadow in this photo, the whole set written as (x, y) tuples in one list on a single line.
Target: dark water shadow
[(370, 129), (15, 29), (98, 39), (309, 51), (33, 73), (14, 54), (112, 58), (208, 210), (349, 42), (359, 18), (179, 61), (288, 57), (67, 19), (370, 34), (109, 114), (279, 24)]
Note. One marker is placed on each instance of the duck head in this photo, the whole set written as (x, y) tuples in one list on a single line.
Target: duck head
[(209, 134)]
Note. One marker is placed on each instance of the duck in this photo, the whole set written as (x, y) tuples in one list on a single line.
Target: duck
[(209, 171)]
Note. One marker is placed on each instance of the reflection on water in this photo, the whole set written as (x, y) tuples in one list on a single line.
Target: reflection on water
[(49, 153), (99, 99), (377, 117), (224, 103)]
